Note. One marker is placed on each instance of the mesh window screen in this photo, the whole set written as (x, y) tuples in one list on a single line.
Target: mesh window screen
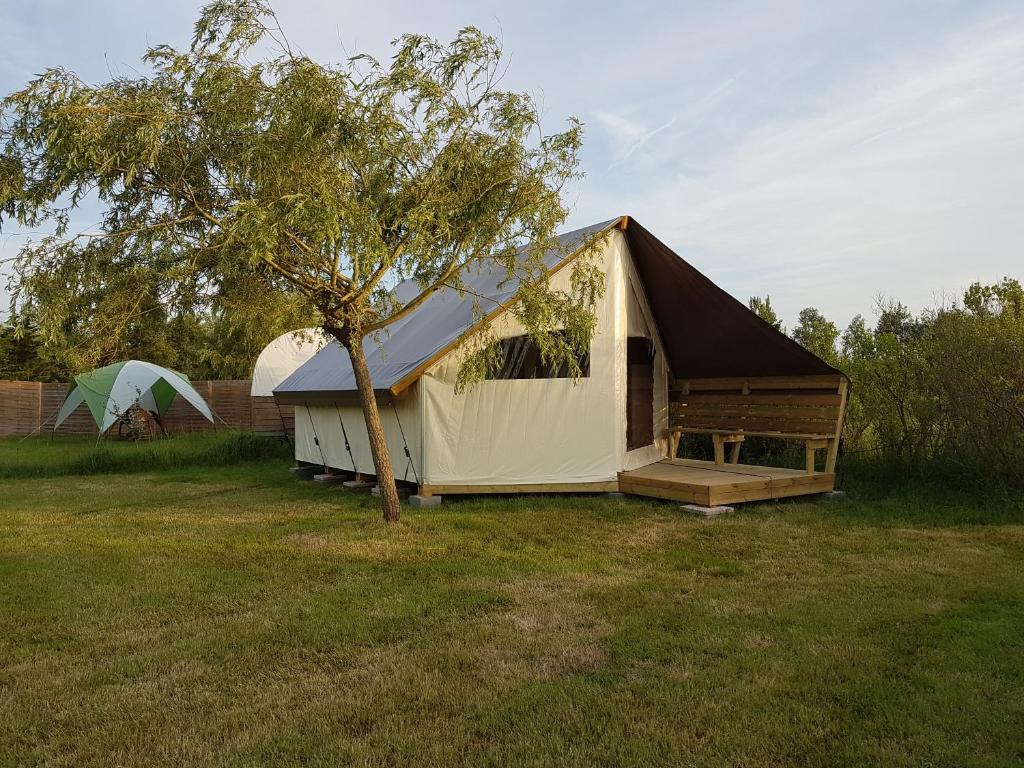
[(523, 361)]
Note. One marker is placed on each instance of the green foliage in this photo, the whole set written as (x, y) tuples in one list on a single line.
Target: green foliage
[(763, 308), (976, 364), (221, 343), (224, 176), (942, 391), (817, 334), (23, 356)]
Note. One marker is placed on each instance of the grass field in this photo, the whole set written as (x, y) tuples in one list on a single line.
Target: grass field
[(197, 614)]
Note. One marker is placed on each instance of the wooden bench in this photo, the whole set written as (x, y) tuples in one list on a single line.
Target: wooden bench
[(805, 408)]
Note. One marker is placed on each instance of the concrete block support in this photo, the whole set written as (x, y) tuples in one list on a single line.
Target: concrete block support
[(424, 501), (698, 509)]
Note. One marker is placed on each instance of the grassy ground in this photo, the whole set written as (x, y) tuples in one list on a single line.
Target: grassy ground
[(205, 615)]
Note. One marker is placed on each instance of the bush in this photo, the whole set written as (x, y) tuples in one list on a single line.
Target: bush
[(976, 375), (942, 392)]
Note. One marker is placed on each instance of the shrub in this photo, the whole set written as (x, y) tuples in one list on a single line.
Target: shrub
[(943, 391)]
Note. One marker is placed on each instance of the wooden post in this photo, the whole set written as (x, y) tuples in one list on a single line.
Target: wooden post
[(810, 446), (674, 435), (719, 449), (833, 448), (734, 455)]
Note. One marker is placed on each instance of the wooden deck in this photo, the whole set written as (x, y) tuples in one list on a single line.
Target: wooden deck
[(710, 484)]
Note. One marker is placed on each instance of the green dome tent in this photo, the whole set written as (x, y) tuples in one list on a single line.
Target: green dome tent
[(110, 391)]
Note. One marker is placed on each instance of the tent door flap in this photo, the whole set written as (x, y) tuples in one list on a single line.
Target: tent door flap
[(639, 393)]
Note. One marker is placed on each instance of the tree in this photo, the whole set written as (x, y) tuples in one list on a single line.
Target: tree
[(816, 333), (85, 314), (975, 360), (895, 319), (22, 357), (1004, 298), (329, 182), (763, 308), (857, 342)]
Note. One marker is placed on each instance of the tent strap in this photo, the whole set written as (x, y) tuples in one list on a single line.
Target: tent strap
[(284, 424), (316, 437), (344, 434), (405, 446)]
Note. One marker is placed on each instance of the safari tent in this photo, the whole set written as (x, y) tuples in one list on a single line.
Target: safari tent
[(281, 357), (672, 354)]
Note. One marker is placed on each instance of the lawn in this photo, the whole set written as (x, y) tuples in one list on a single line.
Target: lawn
[(185, 612)]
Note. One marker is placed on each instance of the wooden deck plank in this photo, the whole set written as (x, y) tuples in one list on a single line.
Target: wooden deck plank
[(673, 475), (702, 482), (743, 469), (694, 494)]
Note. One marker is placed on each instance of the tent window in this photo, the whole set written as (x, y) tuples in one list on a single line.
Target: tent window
[(522, 361), (639, 393)]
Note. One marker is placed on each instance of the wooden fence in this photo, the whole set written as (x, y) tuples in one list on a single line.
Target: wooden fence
[(30, 406)]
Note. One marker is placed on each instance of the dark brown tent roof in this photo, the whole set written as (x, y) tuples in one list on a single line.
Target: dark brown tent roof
[(705, 331)]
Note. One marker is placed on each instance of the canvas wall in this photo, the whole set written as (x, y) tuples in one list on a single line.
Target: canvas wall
[(512, 431), (546, 430), (324, 422)]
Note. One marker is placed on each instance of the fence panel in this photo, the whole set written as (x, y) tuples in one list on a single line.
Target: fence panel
[(78, 423), (30, 406), (20, 402), (268, 418), (231, 403)]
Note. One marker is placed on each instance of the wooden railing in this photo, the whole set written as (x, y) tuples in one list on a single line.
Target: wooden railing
[(805, 408)]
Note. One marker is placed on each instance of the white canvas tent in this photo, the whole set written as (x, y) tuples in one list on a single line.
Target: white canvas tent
[(281, 357), (658, 317)]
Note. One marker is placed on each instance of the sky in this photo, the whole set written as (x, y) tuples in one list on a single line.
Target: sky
[(822, 153)]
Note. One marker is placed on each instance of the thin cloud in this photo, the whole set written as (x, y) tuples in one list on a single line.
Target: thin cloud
[(629, 135), (820, 152), (907, 186)]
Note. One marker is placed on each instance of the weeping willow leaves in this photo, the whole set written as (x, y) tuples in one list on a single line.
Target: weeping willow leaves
[(329, 183)]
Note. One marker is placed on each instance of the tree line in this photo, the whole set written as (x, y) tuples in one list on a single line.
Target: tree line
[(937, 391), (218, 339), (941, 391)]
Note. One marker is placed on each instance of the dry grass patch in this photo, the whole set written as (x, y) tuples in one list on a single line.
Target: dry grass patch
[(378, 549), (551, 631)]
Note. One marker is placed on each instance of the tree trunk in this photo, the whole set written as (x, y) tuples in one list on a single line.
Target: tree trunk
[(378, 444)]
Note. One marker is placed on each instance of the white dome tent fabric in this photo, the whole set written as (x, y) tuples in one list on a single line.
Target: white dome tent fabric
[(112, 390), (283, 356)]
